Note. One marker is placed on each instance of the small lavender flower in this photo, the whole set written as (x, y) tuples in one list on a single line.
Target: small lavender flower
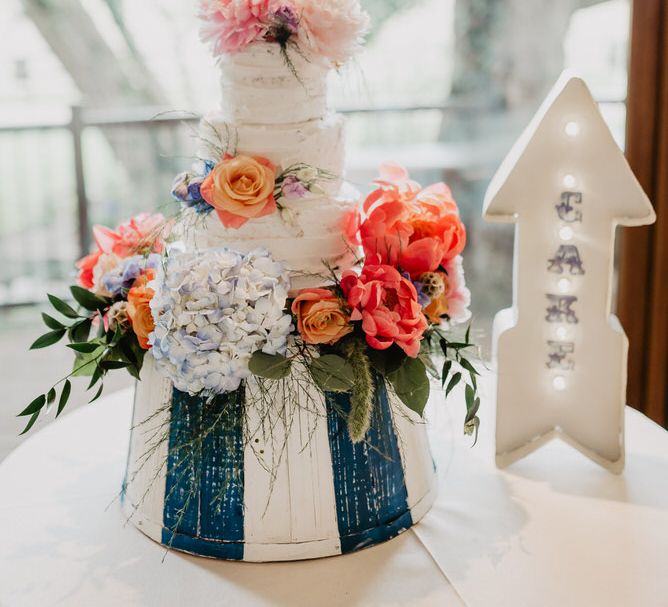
[(293, 188), (186, 188)]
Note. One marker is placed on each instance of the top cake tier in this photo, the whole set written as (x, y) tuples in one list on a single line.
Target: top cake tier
[(259, 87)]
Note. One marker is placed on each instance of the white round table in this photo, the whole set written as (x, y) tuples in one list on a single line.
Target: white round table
[(553, 529)]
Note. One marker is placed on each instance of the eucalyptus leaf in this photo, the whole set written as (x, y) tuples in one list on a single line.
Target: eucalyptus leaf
[(454, 380), (468, 366), (31, 423), (35, 406), (51, 322), (85, 364), (386, 361), (88, 300), (80, 331), (109, 365), (51, 396), (97, 394), (269, 366), (64, 396), (332, 373), (97, 375), (48, 339), (411, 384), (62, 307), (84, 347), (447, 365)]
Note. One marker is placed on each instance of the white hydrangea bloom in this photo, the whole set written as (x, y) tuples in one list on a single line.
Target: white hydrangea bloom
[(212, 310)]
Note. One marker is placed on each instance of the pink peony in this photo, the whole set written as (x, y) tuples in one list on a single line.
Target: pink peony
[(230, 25), (141, 233), (388, 307), (332, 28)]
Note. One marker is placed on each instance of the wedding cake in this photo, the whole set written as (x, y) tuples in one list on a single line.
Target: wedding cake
[(282, 331)]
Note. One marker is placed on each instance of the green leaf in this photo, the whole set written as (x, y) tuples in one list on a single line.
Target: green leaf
[(85, 364), (332, 373), (386, 361), (34, 407), (269, 366), (468, 366), (468, 334), (411, 384), (472, 411), (62, 307), (97, 394), (85, 347), (97, 375), (472, 427), (51, 322), (454, 380), (48, 339), (447, 365), (88, 300), (80, 331), (51, 396), (31, 423), (109, 365), (64, 396)]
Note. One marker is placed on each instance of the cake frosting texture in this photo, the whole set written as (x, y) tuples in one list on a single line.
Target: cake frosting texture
[(279, 112)]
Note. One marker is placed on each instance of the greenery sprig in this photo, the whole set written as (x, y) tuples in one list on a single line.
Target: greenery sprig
[(96, 352)]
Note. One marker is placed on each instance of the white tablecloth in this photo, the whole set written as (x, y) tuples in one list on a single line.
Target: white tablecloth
[(554, 529)]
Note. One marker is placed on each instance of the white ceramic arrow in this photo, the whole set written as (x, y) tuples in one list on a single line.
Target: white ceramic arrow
[(561, 356)]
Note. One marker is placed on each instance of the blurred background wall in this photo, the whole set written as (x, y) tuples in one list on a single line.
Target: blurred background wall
[(444, 87)]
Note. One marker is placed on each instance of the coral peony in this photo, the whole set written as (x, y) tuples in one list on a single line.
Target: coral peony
[(139, 308), (332, 28), (230, 25), (386, 232), (387, 304), (320, 317), (241, 188), (86, 266)]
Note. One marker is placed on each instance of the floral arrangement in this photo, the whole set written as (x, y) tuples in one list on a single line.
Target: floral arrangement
[(240, 187), (110, 325), (332, 28), (216, 319)]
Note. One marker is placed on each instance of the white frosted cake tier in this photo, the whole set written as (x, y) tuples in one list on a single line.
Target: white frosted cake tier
[(314, 236), (319, 143), (258, 86)]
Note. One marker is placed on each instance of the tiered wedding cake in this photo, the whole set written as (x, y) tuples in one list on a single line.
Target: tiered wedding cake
[(281, 479), (283, 334)]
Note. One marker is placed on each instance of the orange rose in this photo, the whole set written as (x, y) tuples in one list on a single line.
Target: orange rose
[(241, 188), (320, 317), (139, 309)]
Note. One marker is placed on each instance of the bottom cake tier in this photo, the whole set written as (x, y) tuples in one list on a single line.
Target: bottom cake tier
[(276, 481)]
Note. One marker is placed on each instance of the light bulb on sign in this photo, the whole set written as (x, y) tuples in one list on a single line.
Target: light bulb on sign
[(564, 285), (559, 383), (572, 129), (565, 233), (569, 181)]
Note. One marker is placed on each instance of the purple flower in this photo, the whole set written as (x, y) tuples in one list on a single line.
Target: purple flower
[(288, 18), (423, 299), (293, 188), (119, 280)]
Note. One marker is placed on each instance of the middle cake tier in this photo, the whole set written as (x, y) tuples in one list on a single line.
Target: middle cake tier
[(318, 143)]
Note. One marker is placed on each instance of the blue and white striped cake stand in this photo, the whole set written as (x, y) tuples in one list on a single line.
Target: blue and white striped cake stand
[(217, 479)]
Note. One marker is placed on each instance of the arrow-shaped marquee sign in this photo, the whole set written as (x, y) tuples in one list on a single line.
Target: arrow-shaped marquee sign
[(561, 356)]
